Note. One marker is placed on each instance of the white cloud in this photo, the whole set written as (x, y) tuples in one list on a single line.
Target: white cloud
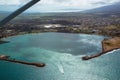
[(62, 4), (9, 2), (76, 3)]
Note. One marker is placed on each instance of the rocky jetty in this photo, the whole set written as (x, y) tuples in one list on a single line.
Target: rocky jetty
[(7, 58), (107, 46)]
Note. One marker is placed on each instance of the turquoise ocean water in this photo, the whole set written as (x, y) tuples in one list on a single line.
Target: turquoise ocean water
[(62, 54)]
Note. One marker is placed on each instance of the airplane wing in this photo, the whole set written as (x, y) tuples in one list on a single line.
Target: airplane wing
[(17, 12)]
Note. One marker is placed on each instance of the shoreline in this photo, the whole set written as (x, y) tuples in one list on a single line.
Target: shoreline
[(2, 41), (108, 45), (25, 33), (105, 43)]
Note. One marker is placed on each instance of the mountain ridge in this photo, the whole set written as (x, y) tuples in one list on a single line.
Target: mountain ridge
[(105, 9)]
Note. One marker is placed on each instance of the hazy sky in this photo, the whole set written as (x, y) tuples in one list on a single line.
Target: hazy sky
[(56, 5)]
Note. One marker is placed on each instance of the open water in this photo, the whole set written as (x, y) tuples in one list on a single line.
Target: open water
[(61, 52)]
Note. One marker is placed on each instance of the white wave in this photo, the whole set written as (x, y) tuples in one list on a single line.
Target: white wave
[(112, 51), (60, 67)]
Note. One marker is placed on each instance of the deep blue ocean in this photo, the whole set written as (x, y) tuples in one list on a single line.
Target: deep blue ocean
[(61, 52)]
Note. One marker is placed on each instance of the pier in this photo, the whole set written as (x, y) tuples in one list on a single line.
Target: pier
[(6, 58)]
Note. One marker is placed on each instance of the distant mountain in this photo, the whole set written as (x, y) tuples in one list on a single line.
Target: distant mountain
[(114, 8)]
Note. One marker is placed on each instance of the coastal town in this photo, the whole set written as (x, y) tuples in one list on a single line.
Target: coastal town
[(88, 24)]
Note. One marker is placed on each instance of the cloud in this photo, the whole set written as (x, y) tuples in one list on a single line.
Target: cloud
[(100, 3), (61, 4), (9, 2), (83, 4)]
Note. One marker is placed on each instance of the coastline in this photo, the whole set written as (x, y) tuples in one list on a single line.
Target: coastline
[(109, 44), (2, 41), (23, 33)]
